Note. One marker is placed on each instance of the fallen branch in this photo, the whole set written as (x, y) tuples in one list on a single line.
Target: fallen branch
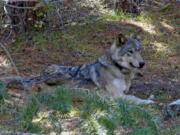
[(10, 58)]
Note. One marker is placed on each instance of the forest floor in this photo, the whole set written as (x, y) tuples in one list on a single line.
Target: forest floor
[(160, 32)]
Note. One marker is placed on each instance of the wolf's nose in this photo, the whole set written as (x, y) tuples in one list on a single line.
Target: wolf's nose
[(141, 64)]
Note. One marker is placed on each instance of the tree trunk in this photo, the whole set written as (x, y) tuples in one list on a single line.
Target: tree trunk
[(128, 6)]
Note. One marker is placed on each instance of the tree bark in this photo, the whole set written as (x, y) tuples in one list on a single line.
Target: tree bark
[(128, 6)]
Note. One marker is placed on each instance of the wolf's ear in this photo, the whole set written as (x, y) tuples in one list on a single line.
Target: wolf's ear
[(138, 37), (120, 40)]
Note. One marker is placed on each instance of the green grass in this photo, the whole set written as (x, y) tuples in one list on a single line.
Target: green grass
[(118, 15), (161, 95), (97, 115), (174, 130), (76, 37), (79, 36)]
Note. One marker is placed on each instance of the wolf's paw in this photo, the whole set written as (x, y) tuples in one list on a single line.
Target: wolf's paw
[(149, 101)]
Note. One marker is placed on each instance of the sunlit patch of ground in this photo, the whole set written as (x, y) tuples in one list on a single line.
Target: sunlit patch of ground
[(5, 65), (83, 44)]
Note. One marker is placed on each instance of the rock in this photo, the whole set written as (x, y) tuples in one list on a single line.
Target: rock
[(151, 97), (172, 109)]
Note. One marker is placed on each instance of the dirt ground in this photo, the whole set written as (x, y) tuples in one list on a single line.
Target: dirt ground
[(160, 78)]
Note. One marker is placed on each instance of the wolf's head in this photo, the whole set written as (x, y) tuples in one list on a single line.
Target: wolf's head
[(125, 52)]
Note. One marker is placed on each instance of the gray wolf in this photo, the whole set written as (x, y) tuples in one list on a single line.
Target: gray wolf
[(112, 72)]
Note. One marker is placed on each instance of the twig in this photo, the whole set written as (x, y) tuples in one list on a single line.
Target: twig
[(7, 14), (9, 34), (59, 15), (10, 58)]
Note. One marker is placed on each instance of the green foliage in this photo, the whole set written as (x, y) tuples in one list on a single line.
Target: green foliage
[(162, 95), (174, 130), (117, 15), (35, 128), (78, 38), (98, 115), (122, 14), (142, 131)]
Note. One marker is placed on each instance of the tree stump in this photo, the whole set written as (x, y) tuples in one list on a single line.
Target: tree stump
[(128, 6)]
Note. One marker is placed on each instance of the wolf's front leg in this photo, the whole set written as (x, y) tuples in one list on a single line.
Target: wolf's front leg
[(117, 87), (136, 100)]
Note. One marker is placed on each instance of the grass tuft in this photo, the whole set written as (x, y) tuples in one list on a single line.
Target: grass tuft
[(96, 114)]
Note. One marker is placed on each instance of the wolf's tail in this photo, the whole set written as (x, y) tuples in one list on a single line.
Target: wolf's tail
[(51, 75)]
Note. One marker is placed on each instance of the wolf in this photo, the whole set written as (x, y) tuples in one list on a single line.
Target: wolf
[(112, 72)]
